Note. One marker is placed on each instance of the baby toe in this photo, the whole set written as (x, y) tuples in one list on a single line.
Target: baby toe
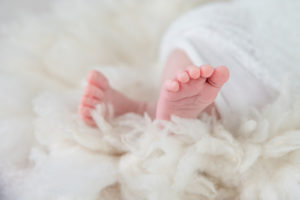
[(183, 77), (90, 102), (194, 72), (85, 111), (219, 77), (98, 79), (206, 71), (89, 121), (172, 86), (94, 92)]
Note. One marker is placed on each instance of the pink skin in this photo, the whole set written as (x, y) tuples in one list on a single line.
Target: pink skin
[(185, 93), (98, 91), (191, 91)]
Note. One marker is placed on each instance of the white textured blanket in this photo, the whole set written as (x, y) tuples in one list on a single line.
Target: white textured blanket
[(47, 153), (259, 41)]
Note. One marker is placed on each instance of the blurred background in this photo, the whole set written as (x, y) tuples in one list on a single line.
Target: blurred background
[(9, 9)]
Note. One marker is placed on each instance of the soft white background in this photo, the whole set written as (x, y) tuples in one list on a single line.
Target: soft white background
[(47, 153)]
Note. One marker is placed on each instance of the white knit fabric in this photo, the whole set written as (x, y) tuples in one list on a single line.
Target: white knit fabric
[(259, 41)]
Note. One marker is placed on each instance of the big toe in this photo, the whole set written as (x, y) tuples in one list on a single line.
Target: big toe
[(219, 77), (98, 79)]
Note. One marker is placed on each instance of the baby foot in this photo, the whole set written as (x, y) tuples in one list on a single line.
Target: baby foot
[(191, 91), (98, 91)]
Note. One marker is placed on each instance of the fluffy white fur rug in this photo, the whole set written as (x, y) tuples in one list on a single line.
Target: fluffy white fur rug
[(47, 153)]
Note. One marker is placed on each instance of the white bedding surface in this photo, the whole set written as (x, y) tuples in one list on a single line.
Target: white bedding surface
[(47, 153)]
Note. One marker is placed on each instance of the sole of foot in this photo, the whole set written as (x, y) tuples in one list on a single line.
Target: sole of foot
[(191, 91)]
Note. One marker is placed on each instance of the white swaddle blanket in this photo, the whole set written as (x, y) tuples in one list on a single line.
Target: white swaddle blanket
[(259, 41)]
